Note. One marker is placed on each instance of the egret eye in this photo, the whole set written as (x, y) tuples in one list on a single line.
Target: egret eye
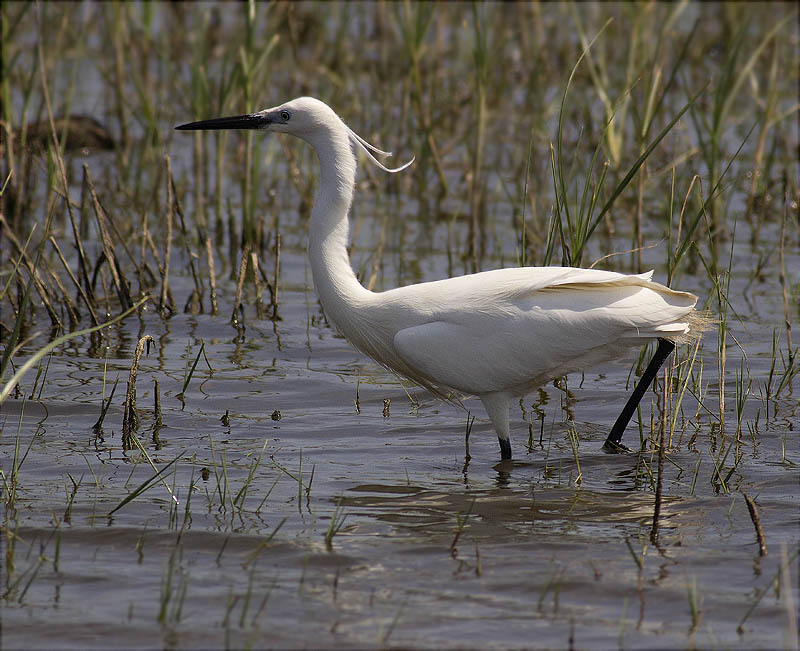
[(285, 116)]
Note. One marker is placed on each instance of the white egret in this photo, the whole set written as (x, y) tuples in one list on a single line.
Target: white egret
[(496, 334)]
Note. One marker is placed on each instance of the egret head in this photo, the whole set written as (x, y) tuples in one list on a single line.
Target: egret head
[(305, 117), (300, 117)]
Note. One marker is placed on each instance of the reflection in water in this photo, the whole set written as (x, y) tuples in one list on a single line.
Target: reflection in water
[(504, 468), (629, 479), (507, 505)]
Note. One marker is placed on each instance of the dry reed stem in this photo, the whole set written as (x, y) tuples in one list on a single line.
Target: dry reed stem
[(38, 282), (751, 507), (237, 304), (783, 277), (74, 315), (105, 403), (257, 283), (467, 455), (84, 225), (165, 303), (81, 290), (198, 282), (123, 242), (108, 247), (10, 156), (83, 265), (268, 283), (212, 280), (130, 421), (275, 316), (157, 403), (152, 246)]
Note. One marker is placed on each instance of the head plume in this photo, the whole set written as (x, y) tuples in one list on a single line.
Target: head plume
[(368, 149)]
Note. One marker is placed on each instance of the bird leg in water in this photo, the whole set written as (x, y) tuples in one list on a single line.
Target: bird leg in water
[(496, 405), (612, 444), (505, 448)]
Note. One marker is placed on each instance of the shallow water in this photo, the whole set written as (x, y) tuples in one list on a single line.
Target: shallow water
[(540, 560), (320, 515)]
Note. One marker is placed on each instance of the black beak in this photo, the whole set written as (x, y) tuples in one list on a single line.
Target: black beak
[(252, 121)]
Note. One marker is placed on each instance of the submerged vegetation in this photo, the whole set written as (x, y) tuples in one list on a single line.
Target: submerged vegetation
[(627, 137)]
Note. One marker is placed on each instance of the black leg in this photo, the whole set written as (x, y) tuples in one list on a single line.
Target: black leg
[(505, 448), (612, 444)]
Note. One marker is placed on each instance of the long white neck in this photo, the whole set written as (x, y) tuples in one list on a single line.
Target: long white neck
[(335, 282)]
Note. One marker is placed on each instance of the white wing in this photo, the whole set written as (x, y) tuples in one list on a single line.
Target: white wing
[(515, 330)]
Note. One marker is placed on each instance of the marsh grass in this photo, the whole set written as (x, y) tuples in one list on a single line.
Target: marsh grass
[(335, 524), (149, 482), (106, 403), (189, 372)]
